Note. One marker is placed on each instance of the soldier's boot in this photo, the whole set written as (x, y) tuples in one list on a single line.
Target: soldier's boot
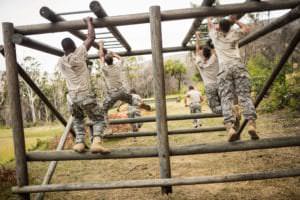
[(96, 146), (252, 130), (237, 114), (145, 107), (233, 136), (79, 147)]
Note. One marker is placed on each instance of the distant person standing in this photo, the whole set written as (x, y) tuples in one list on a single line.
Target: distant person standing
[(195, 99), (134, 109), (81, 99)]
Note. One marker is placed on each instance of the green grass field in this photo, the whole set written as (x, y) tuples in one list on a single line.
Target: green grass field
[(32, 136), (269, 125)]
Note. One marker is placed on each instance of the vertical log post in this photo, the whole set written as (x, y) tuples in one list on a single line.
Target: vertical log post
[(159, 91), (15, 107)]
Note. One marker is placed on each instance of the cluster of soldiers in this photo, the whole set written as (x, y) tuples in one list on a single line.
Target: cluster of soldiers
[(81, 97), (224, 75)]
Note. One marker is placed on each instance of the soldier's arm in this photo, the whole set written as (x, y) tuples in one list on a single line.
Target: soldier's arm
[(198, 46), (244, 28), (91, 33), (101, 52)]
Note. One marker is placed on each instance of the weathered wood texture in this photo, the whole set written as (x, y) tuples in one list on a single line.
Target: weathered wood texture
[(277, 23), (196, 23), (170, 132), (290, 49), (34, 44), (159, 93), (141, 152), (176, 14), (50, 15), (169, 118), (160, 182), (146, 51), (53, 164), (15, 107), (99, 11), (38, 92)]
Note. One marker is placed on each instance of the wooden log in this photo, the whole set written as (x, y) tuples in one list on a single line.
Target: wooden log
[(196, 23), (99, 11), (169, 118), (146, 51), (53, 164), (143, 152), (176, 14), (15, 107), (34, 44), (170, 132), (50, 15), (160, 96), (284, 173), (74, 12), (277, 23), (290, 49), (38, 92)]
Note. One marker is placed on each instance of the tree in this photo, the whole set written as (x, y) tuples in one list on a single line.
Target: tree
[(175, 69)]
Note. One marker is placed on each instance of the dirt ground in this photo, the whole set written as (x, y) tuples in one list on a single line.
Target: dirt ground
[(269, 125)]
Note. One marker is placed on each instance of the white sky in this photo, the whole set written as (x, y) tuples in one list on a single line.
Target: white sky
[(25, 12)]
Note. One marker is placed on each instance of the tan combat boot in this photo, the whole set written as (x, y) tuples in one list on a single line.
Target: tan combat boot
[(96, 146), (237, 113), (233, 136), (252, 130), (79, 147)]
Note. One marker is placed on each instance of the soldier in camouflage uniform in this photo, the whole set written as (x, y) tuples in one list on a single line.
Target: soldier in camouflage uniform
[(80, 97), (233, 77), (134, 109), (114, 81), (195, 99), (207, 65)]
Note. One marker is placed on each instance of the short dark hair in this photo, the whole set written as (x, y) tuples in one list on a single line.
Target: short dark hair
[(68, 44), (104, 51), (132, 91), (210, 44), (225, 25), (206, 52), (191, 87), (109, 59)]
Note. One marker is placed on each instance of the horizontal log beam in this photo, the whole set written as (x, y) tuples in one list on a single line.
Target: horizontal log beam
[(99, 11), (159, 182), (196, 23), (166, 16), (34, 44), (170, 132), (277, 23), (147, 51), (169, 118), (142, 152), (50, 15)]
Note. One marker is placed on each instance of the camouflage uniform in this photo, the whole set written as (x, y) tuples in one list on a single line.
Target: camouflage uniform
[(115, 95), (213, 98), (235, 79), (86, 102)]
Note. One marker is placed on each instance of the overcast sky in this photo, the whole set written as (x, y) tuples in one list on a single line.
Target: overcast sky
[(24, 12)]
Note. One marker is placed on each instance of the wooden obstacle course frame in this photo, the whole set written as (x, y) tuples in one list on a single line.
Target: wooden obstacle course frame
[(154, 17)]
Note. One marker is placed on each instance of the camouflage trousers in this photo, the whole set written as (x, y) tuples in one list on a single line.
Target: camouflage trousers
[(115, 95), (235, 81), (85, 103), (214, 101), (195, 108), (134, 112)]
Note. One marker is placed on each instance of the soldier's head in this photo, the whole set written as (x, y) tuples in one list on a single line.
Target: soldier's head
[(68, 45), (224, 25), (191, 87), (132, 91), (206, 52), (109, 59)]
